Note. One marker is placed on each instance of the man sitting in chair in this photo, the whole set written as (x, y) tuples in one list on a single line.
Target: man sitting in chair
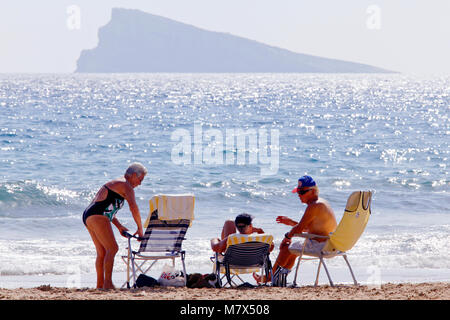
[(318, 219), (243, 223)]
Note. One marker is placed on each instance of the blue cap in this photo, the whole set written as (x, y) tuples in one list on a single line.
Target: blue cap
[(305, 181)]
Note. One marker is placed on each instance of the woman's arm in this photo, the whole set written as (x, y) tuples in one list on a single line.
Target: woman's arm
[(129, 196), (119, 226)]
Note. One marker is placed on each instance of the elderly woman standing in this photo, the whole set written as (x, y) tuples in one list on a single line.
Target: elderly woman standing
[(101, 212)]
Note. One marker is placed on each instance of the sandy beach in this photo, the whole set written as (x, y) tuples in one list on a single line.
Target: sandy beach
[(389, 291)]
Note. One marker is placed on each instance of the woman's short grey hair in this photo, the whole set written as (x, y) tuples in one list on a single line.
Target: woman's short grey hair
[(137, 168)]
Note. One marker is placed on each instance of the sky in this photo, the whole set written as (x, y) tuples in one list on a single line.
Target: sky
[(408, 36)]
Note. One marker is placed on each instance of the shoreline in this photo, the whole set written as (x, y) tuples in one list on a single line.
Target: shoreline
[(306, 277), (388, 291)]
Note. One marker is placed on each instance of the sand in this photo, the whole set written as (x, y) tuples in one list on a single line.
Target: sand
[(389, 291)]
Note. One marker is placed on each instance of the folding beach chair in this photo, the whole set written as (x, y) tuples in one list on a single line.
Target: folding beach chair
[(244, 254), (347, 233), (169, 218)]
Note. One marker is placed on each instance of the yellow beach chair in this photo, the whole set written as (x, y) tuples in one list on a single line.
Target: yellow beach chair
[(347, 233), (244, 254), (168, 220)]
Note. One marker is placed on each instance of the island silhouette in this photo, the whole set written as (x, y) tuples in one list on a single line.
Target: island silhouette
[(135, 41)]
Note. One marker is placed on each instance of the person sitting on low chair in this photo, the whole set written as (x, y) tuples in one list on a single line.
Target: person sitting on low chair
[(243, 224), (318, 219)]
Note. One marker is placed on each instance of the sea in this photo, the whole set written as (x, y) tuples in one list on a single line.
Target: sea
[(239, 143)]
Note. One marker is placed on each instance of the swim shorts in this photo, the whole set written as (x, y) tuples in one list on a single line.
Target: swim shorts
[(311, 246)]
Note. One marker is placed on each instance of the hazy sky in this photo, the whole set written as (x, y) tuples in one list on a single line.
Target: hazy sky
[(409, 36)]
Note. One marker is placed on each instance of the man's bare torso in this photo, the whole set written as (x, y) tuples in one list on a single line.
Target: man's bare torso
[(321, 218)]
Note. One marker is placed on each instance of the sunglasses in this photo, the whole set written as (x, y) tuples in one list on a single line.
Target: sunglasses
[(302, 192)]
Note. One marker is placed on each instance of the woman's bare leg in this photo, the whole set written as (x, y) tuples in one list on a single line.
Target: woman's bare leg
[(99, 260), (105, 243)]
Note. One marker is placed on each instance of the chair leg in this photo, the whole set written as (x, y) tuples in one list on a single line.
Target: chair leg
[(267, 269), (217, 270), (227, 273), (134, 271), (142, 265), (127, 282), (326, 270), (318, 272), (229, 281), (283, 279), (184, 267), (351, 271), (233, 283), (128, 263), (219, 278), (223, 285), (296, 271), (237, 276), (269, 274)]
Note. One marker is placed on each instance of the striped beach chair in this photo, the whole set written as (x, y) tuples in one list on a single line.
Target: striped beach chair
[(244, 254), (347, 233), (163, 237)]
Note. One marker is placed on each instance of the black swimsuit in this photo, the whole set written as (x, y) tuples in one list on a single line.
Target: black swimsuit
[(107, 207)]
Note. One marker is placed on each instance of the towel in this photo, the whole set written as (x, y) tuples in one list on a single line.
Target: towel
[(173, 206), (237, 238)]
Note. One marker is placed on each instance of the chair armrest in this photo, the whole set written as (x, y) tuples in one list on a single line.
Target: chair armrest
[(310, 236)]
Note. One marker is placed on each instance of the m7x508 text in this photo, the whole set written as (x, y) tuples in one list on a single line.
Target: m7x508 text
[(247, 309)]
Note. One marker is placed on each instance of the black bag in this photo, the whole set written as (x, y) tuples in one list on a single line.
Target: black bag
[(197, 280), (146, 281)]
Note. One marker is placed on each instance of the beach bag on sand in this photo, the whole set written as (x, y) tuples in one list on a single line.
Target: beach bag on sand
[(146, 281), (171, 277), (198, 280)]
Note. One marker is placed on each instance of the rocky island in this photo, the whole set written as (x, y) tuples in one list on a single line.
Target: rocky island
[(135, 41)]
